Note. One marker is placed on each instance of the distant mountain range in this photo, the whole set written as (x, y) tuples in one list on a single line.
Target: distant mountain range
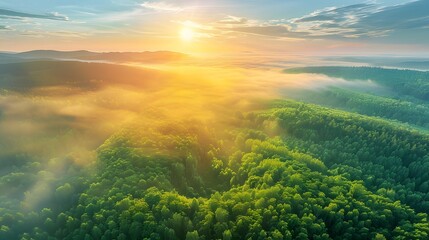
[(75, 76), (418, 63), (118, 57)]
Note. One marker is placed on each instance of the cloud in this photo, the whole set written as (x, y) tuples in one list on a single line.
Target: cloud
[(42, 34), (270, 30), (4, 13), (233, 20), (353, 21), (407, 16), (347, 15), (365, 20), (162, 6)]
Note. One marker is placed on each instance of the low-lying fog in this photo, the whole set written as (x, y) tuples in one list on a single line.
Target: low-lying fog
[(56, 115)]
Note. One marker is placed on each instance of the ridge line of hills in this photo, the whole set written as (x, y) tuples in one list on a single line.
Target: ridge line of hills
[(142, 57)]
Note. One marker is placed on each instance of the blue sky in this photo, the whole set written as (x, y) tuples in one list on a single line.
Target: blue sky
[(270, 25)]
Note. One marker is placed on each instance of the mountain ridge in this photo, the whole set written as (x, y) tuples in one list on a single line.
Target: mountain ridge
[(142, 57)]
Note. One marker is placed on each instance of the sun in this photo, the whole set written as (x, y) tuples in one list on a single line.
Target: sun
[(187, 34)]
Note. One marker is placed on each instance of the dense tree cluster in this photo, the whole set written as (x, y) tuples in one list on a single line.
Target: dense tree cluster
[(402, 110), (390, 159), (290, 170), (178, 181)]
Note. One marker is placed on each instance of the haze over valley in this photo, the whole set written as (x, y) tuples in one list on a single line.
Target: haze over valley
[(211, 120)]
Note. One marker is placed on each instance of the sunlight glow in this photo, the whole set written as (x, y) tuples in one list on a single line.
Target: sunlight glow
[(187, 34)]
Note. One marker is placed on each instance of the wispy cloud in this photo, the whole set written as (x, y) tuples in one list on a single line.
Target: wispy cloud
[(347, 15), (347, 22), (233, 20), (270, 30), (4, 13), (162, 6), (353, 21), (273, 28), (406, 16), (43, 34)]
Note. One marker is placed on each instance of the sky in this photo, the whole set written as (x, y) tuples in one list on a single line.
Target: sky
[(209, 26)]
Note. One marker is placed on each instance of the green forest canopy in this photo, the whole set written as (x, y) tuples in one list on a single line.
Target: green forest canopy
[(290, 170)]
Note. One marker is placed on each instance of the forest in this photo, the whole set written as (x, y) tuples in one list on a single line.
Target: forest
[(406, 83), (214, 120), (332, 163)]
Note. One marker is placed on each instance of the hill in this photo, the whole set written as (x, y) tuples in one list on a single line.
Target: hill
[(143, 57), (28, 76), (406, 82)]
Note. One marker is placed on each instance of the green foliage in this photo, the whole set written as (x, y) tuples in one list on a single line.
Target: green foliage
[(325, 174), (391, 160), (404, 82), (403, 110)]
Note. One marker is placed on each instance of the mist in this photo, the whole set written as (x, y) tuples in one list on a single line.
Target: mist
[(61, 132)]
